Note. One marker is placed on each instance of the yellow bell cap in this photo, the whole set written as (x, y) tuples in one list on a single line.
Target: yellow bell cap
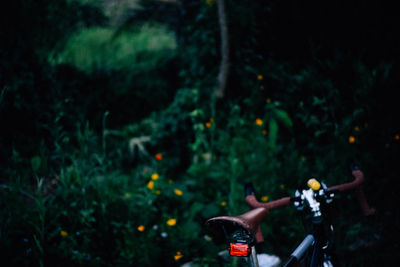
[(314, 184)]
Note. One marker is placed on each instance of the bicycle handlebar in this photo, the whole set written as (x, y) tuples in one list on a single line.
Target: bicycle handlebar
[(355, 184)]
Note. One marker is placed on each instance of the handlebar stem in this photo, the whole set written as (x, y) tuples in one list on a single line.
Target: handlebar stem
[(309, 196)]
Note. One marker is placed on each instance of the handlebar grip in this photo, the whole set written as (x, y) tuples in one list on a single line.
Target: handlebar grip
[(353, 167), (249, 189), (362, 200)]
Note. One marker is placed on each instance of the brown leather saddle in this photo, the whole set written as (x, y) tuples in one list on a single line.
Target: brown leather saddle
[(224, 226)]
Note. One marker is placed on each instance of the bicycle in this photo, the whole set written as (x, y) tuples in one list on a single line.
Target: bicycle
[(243, 232)]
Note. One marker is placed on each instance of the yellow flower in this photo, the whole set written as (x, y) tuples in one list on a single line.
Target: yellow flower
[(223, 203), (154, 176), (140, 228), (178, 192), (264, 198), (178, 255), (210, 2), (207, 238), (352, 139), (150, 185), (63, 233), (303, 158), (171, 222), (170, 181), (127, 195), (259, 121), (282, 186), (259, 77), (157, 192), (268, 100)]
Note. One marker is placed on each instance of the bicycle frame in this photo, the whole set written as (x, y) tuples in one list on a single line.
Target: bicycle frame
[(300, 251), (313, 250)]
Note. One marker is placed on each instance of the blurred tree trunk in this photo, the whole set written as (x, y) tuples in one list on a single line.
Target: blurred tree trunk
[(224, 67)]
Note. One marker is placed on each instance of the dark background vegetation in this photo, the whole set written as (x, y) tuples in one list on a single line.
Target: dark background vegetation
[(80, 129)]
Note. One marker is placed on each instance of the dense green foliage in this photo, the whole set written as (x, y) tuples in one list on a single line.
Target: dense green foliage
[(114, 150)]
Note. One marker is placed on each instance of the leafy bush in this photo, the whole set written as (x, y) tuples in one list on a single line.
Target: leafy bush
[(136, 51)]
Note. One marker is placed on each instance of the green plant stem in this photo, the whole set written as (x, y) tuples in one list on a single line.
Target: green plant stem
[(40, 227), (104, 134)]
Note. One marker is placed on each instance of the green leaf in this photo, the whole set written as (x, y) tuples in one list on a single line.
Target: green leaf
[(210, 210), (38, 243), (319, 132), (318, 101), (36, 161), (195, 208), (273, 132), (191, 228), (283, 116)]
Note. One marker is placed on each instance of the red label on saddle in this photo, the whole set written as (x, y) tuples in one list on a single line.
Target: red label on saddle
[(239, 250)]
